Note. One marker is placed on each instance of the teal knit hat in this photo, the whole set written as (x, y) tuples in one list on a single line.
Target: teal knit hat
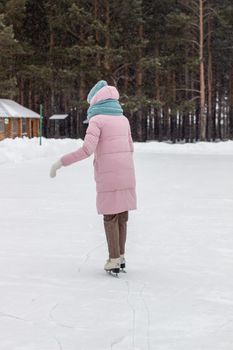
[(99, 85), (107, 107)]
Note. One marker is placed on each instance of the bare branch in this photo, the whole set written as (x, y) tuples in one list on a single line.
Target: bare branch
[(123, 77), (192, 41), (185, 89), (208, 34), (121, 67), (194, 4), (195, 98), (194, 25), (225, 48), (195, 42), (207, 14), (212, 10), (192, 9), (73, 34)]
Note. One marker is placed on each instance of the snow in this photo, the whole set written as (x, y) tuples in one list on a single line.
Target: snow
[(58, 116), (12, 109), (177, 293)]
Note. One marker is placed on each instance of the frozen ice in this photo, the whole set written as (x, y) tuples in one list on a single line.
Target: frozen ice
[(177, 293)]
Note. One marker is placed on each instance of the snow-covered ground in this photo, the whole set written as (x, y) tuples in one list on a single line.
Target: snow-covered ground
[(178, 291)]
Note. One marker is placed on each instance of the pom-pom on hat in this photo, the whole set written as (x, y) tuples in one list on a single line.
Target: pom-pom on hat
[(99, 85)]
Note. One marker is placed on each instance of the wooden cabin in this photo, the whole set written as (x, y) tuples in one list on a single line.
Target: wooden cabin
[(68, 125), (17, 121), (60, 126)]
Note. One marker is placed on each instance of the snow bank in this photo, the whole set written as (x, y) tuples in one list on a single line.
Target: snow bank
[(21, 149), (214, 148)]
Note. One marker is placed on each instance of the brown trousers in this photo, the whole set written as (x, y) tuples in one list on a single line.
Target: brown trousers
[(116, 230)]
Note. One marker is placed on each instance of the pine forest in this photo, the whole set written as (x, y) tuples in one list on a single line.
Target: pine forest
[(172, 61)]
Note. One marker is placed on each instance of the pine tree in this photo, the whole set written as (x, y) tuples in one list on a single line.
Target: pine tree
[(9, 47), (171, 60)]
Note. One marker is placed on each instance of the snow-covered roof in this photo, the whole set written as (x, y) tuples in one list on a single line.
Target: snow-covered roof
[(12, 109), (59, 116)]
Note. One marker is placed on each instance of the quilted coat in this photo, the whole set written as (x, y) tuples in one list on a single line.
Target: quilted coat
[(109, 138)]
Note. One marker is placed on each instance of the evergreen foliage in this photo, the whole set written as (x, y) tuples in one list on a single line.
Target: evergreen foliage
[(52, 52)]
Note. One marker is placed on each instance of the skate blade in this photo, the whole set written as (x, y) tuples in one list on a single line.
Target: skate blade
[(123, 271), (113, 274)]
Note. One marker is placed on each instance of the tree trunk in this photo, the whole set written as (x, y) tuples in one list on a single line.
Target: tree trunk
[(21, 91), (82, 89), (194, 117), (107, 36), (139, 74), (30, 102), (186, 76), (173, 123), (126, 80), (214, 98), (157, 76), (218, 116), (156, 123), (139, 77), (231, 103), (96, 11), (210, 84), (52, 92), (202, 73)]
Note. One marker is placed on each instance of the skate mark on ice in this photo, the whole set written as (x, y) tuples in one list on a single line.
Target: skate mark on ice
[(88, 254), (117, 341), (3, 314), (47, 281), (52, 318), (148, 316), (142, 301), (59, 324), (134, 314), (59, 344)]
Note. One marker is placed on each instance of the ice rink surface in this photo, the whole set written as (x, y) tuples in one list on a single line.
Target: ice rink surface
[(178, 290)]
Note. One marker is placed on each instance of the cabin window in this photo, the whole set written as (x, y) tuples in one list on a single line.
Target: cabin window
[(15, 125), (2, 128), (24, 126)]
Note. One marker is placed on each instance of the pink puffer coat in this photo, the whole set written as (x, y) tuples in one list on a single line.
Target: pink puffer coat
[(109, 138)]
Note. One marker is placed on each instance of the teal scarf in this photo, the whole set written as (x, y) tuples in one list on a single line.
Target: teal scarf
[(107, 107)]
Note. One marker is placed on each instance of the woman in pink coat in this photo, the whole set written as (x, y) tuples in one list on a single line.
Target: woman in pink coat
[(108, 136)]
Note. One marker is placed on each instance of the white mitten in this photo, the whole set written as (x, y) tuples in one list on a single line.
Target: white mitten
[(54, 168)]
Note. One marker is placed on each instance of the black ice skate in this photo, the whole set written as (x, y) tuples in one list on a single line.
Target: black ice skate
[(122, 263), (113, 266)]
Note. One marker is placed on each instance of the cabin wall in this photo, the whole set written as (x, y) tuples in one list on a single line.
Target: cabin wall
[(2, 129), (18, 127), (5, 128)]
